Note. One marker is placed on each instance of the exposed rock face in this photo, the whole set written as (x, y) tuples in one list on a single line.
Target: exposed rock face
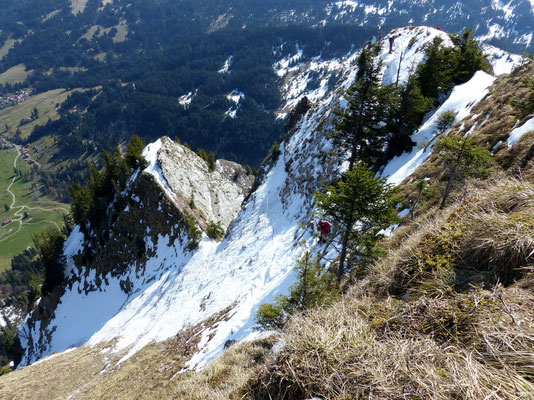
[(212, 196)]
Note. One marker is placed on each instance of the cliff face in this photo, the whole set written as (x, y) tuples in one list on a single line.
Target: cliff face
[(216, 196), (105, 269)]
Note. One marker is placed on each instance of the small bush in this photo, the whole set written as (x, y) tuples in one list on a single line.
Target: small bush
[(275, 151), (315, 287), (215, 231), (193, 232), (209, 158), (445, 120)]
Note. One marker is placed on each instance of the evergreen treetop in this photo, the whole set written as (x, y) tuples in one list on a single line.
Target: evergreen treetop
[(361, 130)]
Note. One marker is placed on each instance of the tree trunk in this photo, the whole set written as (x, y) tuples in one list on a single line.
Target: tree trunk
[(344, 244), (451, 177)]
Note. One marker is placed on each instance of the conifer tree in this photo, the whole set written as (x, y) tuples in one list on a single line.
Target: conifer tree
[(407, 111), (211, 161), (81, 203), (361, 131), (361, 204), (468, 57), (314, 287), (435, 73), (49, 245), (134, 157)]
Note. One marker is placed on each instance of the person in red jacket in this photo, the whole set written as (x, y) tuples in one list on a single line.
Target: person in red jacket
[(324, 228)]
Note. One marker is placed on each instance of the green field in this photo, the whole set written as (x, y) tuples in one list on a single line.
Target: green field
[(45, 104), (42, 212), (16, 74), (8, 44)]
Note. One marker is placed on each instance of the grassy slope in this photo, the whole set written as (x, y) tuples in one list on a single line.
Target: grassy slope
[(8, 44), (45, 104), (14, 75), (77, 6), (42, 211), (120, 36)]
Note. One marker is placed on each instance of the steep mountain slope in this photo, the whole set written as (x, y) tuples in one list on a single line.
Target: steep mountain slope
[(116, 295)]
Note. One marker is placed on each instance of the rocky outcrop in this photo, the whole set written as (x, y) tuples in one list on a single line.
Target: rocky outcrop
[(212, 196)]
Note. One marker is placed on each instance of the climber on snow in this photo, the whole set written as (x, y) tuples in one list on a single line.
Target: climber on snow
[(324, 228)]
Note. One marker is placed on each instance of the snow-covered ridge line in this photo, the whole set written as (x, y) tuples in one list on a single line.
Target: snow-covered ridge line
[(318, 77)]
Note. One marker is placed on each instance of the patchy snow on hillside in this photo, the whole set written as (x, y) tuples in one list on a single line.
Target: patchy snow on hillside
[(407, 51), (506, 8), (314, 79), (524, 39), (226, 66), (186, 99), (282, 67), (502, 61), (10, 315), (462, 99), (235, 96)]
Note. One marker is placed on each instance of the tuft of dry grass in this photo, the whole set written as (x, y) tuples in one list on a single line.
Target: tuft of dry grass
[(224, 378), (499, 228), (484, 238)]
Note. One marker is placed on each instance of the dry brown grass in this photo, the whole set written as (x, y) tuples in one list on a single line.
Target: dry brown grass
[(151, 373), (225, 378), (484, 238), (55, 378), (451, 331), (339, 353)]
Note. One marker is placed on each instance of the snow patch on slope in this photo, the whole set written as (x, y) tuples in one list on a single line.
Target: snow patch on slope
[(462, 99), (408, 51), (226, 66), (502, 61), (235, 96), (186, 99)]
